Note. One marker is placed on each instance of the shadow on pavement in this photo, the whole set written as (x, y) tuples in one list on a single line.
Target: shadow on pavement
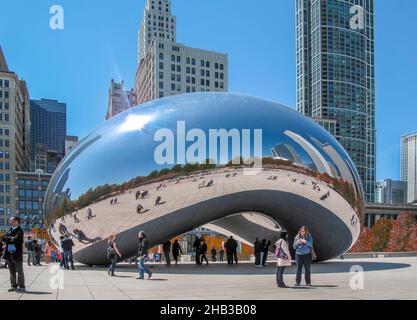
[(36, 292), (330, 267)]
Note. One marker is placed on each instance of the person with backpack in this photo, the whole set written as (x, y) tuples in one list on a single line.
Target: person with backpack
[(113, 254), (30, 250), (284, 258)]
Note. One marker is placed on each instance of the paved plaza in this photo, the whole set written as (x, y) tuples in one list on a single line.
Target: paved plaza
[(385, 278)]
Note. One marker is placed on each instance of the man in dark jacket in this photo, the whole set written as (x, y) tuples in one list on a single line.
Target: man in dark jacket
[(166, 247), (233, 249), (67, 245), (197, 248), (142, 256), (258, 249), (14, 255)]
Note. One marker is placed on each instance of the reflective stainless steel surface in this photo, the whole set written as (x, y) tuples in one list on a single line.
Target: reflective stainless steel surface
[(306, 178)]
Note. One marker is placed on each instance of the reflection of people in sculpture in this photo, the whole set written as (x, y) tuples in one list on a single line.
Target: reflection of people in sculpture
[(63, 229), (137, 195), (144, 194), (80, 235), (90, 214), (158, 201), (139, 209)]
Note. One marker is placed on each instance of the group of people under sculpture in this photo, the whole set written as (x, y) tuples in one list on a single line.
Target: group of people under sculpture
[(303, 246)]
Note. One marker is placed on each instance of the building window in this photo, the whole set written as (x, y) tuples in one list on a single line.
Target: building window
[(208, 83), (207, 73), (161, 85), (178, 59), (173, 58), (202, 63), (221, 66), (188, 60), (202, 82), (193, 62), (207, 64), (216, 75), (161, 94), (202, 73), (172, 67), (188, 70), (173, 86), (178, 77), (161, 65), (192, 70), (161, 75), (222, 76), (178, 68), (172, 77), (216, 65), (161, 56), (6, 83)]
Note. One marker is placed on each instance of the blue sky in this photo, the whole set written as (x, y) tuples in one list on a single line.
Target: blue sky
[(99, 42)]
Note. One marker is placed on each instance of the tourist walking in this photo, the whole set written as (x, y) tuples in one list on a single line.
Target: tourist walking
[(204, 249), (143, 247), (166, 247), (30, 251), (303, 243), (197, 247), (67, 245), (113, 254), (257, 251), (284, 258), (176, 250), (61, 253), (13, 255)]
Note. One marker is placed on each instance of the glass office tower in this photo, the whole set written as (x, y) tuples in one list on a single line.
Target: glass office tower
[(336, 75)]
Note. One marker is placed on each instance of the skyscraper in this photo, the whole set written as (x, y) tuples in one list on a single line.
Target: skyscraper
[(119, 99), (391, 192), (336, 76), (409, 165), (48, 125), (14, 137), (166, 67)]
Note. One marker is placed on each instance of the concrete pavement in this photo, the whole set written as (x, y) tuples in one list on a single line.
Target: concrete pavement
[(389, 278)]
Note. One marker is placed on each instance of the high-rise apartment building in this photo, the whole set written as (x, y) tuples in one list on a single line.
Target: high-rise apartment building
[(166, 67), (391, 192), (48, 125), (119, 99), (14, 137), (336, 76), (409, 165)]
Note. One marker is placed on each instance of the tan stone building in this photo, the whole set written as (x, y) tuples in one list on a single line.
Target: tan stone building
[(14, 137)]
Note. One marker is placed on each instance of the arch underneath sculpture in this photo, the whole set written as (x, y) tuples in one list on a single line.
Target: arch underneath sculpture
[(332, 236)]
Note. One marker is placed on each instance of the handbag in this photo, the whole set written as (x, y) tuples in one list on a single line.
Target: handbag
[(313, 254), (283, 259)]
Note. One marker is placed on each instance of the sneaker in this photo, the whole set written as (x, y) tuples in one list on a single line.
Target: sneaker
[(308, 284), (297, 285), (150, 275), (140, 278), (12, 290), (21, 290)]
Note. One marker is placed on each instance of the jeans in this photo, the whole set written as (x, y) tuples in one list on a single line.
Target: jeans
[(197, 256), (62, 262), (203, 257), (31, 258), (38, 258), (303, 260), (16, 266), (68, 260), (112, 267), (264, 257), (280, 276), (142, 268), (257, 258)]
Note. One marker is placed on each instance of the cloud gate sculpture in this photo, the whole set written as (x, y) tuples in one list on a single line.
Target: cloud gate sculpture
[(174, 164)]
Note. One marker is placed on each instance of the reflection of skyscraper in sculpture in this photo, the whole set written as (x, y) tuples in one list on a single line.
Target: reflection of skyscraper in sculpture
[(319, 161), (285, 152), (343, 170)]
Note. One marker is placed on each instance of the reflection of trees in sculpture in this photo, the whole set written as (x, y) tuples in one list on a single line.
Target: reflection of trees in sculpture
[(103, 192)]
